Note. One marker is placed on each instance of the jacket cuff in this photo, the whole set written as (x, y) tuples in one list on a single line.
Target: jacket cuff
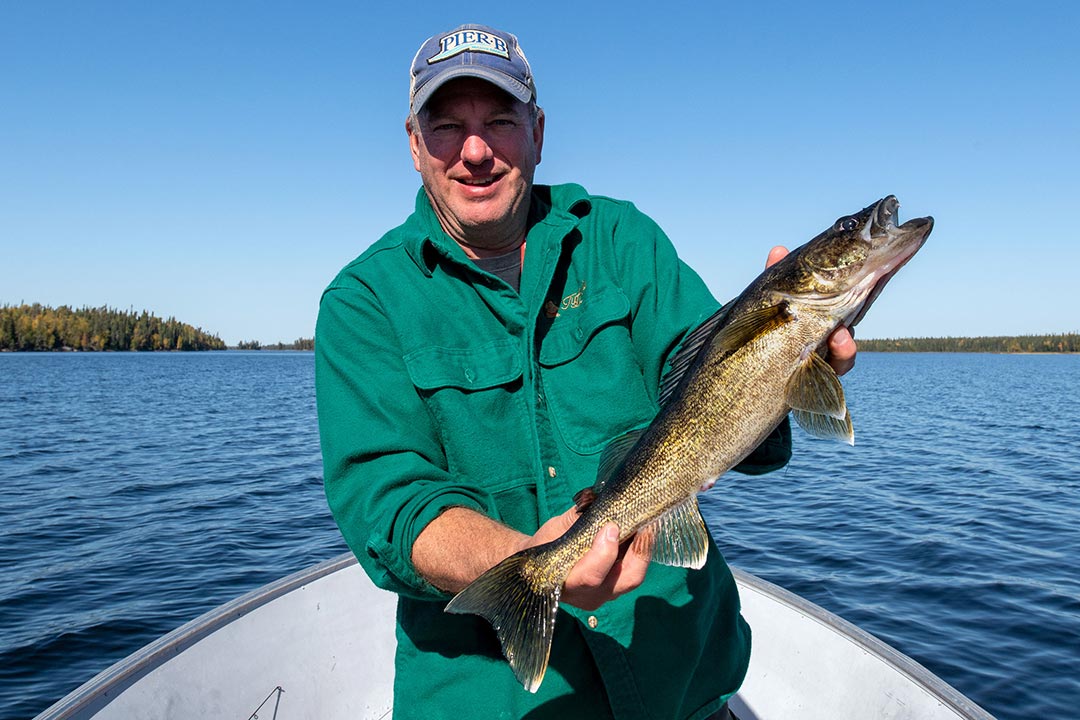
[(390, 561)]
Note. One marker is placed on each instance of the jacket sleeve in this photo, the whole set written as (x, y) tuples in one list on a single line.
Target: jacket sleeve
[(384, 469), (669, 300)]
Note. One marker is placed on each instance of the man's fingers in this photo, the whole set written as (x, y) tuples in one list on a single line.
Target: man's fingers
[(841, 350), (553, 528), (592, 570), (629, 570), (775, 255), (605, 571)]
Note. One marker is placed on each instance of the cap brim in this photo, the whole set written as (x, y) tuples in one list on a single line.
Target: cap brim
[(500, 80)]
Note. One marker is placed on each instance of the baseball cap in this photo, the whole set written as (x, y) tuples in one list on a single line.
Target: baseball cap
[(470, 51)]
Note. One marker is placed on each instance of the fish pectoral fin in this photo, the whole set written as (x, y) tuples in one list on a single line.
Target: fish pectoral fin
[(678, 537), (522, 614), (817, 401), (746, 327)]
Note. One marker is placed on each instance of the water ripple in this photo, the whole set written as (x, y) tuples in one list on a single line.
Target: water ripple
[(143, 490), (951, 530)]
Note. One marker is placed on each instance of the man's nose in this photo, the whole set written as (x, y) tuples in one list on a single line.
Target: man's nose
[(476, 150)]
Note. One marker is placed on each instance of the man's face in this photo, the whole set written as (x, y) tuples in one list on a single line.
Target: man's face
[(476, 151)]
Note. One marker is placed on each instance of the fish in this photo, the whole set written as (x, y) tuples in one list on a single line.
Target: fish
[(728, 386)]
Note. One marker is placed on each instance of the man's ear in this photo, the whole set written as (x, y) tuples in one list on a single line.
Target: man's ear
[(414, 140), (538, 133)]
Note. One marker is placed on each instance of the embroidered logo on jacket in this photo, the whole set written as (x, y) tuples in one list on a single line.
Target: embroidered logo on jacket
[(466, 40), (572, 300)]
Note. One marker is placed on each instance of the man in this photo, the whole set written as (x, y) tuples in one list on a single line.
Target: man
[(471, 365)]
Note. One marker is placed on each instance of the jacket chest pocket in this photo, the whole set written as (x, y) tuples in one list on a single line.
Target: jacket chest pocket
[(593, 383), (475, 396), (464, 370)]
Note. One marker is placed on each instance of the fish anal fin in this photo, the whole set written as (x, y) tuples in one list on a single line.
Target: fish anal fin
[(678, 537), (521, 611)]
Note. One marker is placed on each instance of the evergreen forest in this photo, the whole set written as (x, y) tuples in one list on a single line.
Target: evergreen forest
[(1065, 343), (298, 344), (40, 328)]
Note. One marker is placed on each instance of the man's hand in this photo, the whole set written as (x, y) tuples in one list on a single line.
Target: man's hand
[(606, 571), (841, 344), (461, 544)]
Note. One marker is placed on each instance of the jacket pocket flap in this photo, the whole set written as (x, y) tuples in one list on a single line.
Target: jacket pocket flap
[(473, 368), (570, 332)]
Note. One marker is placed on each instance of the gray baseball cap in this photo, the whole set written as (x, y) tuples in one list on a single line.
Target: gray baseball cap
[(470, 51)]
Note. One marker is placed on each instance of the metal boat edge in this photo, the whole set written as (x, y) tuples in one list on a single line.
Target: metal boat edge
[(96, 694), (99, 691), (933, 685)]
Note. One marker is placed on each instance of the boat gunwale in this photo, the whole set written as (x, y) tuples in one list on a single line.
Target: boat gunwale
[(911, 669), (107, 685), (104, 687)]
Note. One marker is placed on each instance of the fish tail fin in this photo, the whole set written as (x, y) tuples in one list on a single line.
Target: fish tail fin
[(521, 610)]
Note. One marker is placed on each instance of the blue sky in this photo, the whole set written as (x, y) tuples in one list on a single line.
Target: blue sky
[(220, 161)]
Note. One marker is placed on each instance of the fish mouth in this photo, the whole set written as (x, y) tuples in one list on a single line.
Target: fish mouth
[(894, 245), (883, 217)]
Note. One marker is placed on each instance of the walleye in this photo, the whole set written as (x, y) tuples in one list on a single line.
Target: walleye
[(729, 385)]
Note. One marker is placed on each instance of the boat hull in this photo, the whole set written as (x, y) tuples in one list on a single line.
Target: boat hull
[(319, 645)]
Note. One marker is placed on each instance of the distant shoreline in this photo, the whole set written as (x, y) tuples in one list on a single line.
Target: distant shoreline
[(1066, 343), (40, 328), (865, 346), (268, 348)]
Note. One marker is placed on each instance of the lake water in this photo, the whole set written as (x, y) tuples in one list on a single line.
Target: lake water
[(141, 490)]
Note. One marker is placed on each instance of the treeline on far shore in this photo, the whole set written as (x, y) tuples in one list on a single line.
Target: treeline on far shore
[(298, 344), (1065, 343), (40, 328)]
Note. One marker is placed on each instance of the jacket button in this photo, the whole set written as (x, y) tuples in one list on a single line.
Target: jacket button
[(551, 471), (593, 622)]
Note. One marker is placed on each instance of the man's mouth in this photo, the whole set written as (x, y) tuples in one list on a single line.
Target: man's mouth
[(478, 182)]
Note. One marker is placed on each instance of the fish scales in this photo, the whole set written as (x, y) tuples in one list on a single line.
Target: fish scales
[(733, 382)]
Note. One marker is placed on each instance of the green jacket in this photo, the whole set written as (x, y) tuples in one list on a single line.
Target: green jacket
[(438, 385)]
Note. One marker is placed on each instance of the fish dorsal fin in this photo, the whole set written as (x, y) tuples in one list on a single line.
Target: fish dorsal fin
[(817, 401), (727, 337), (610, 461), (678, 537), (688, 351)]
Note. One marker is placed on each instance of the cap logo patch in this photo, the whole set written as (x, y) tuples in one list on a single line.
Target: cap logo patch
[(470, 41)]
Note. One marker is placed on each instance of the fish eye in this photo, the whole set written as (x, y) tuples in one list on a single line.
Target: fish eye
[(847, 223)]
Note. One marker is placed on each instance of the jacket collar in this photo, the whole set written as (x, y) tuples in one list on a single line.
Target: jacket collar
[(555, 210)]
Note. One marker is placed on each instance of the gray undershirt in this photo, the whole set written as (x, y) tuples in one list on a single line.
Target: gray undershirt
[(507, 267)]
